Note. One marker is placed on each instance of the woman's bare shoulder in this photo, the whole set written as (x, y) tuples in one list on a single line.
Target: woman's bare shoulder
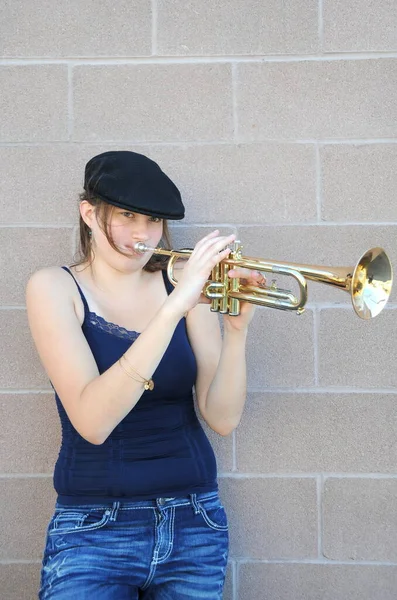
[(52, 282), (50, 275)]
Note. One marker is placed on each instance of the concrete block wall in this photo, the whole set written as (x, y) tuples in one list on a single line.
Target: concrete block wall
[(278, 120)]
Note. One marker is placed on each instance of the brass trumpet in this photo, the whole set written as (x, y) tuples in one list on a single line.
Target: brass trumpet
[(369, 283)]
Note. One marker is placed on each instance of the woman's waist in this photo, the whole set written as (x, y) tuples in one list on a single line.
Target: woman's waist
[(152, 451), (143, 479), (124, 503)]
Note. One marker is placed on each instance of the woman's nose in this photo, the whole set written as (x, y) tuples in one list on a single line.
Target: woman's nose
[(140, 230)]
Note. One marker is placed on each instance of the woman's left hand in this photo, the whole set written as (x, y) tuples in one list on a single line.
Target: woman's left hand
[(247, 309)]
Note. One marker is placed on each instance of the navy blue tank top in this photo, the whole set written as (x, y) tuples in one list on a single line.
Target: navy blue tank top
[(159, 449)]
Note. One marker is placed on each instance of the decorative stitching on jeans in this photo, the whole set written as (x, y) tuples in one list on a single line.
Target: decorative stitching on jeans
[(83, 529), (115, 510), (171, 536), (196, 507), (211, 523), (153, 563)]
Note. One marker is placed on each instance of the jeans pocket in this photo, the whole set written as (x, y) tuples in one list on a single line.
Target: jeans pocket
[(214, 514), (75, 520)]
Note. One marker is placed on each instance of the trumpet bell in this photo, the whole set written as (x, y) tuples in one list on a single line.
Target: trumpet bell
[(371, 283)]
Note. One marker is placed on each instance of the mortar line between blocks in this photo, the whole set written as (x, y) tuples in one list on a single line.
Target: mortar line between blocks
[(312, 476), (308, 561), (199, 143), (35, 226), (70, 102), (234, 102), (154, 27), (235, 580), (320, 512), (321, 26), (315, 345), (26, 475), (234, 451), (172, 59), (319, 187), (5, 562), (73, 239)]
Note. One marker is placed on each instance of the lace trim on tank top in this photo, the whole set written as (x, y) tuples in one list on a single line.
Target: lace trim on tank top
[(91, 319), (94, 320)]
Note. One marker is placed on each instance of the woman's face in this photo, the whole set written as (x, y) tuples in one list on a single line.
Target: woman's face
[(126, 228)]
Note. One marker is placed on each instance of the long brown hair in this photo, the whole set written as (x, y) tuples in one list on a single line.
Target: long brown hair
[(103, 213)]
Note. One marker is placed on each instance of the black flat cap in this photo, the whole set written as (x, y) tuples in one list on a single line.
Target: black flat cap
[(134, 182)]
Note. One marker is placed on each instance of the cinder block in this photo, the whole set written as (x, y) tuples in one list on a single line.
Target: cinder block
[(22, 369), (28, 505), (33, 103), (335, 433), (316, 100), (25, 250), (237, 28), (31, 419), (41, 184), (271, 518), (359, 26), (316, 582), (359, 182), (360, 517), (280, 350), (20, 581), (144, 103), (352, 352), (76, 28)]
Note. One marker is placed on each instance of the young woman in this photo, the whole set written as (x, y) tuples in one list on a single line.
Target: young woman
[(138, 513)]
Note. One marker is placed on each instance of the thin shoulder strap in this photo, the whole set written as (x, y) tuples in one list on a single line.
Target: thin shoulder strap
[(86, 309), (168, 285)]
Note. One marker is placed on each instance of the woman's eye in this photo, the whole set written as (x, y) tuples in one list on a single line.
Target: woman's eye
[(131, 215)]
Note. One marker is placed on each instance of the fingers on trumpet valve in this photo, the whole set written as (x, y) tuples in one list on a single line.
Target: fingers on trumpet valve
[(248, 274), (260, 279)]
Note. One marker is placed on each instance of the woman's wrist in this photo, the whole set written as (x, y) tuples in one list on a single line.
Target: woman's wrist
[(232, 332), (172, 310)]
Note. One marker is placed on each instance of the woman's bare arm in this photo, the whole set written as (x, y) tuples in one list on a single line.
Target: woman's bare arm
[(95, 403)]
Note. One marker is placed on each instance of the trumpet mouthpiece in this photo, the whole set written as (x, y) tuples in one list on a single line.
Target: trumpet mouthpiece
[(141, 247)]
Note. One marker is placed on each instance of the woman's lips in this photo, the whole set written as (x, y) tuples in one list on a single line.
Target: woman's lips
[(131, 251)]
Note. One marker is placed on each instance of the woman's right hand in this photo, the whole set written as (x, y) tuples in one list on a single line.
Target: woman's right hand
[(207, 253)]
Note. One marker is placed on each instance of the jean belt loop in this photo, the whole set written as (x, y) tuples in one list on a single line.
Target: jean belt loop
[(115, 510), (193, 498)]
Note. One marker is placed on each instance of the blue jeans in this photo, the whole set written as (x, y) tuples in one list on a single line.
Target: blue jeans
[(164, 549)]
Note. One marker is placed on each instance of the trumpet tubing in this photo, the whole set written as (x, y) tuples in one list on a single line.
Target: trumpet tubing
[(369, 282)]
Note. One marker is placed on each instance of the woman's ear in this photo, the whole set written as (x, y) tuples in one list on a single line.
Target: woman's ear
[(87, 212)]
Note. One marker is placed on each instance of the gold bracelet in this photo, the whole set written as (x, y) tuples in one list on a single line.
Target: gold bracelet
[(132, 368), (147, 383)]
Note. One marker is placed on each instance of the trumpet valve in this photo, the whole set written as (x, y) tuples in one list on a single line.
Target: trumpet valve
[(237, 250)]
